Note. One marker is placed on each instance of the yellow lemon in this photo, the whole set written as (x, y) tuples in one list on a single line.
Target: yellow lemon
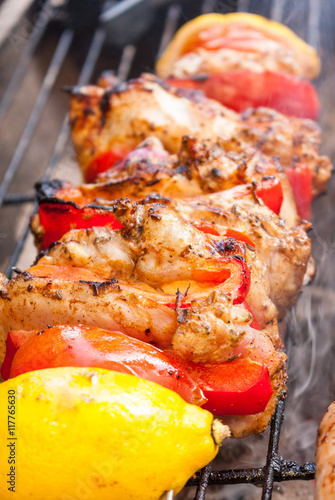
[(94, 434)]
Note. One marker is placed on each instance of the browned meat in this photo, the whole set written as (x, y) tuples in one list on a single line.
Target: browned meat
[(120, 117), (161, 249), (281, 254), (325, 457), (199, 167)]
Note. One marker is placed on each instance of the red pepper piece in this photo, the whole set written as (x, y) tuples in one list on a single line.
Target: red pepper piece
[(300, 178), (103, 162), (240, 387), (58, 218), (14, 341), (66, 273), (243, 89), (88, 346), (207, 228), (239, 236), (230, 233), (271, 192), (230, 274), (232, 269)]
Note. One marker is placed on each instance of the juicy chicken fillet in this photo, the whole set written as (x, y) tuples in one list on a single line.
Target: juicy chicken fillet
[(325, 457), (123, 115), (28, 302), (199, 167), (281, 255), (159, 248)]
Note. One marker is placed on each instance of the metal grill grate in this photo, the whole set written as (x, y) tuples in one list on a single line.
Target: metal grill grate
[(276, 469)]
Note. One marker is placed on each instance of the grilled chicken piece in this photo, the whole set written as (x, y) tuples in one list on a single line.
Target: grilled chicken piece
[(199, 167), (29, 302), (293, 140), (120, 117), (325, 457), (281, 254), (162, 250)]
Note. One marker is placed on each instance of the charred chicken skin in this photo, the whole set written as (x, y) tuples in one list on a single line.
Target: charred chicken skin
[(119, 117)]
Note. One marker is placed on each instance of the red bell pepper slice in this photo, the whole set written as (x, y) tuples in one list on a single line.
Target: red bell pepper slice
[(95, 347), (269, 190), (240, 236), (239, 387), (300, 177), (66, 273), (14, 341), (243, 89), (231, 274), (58, 217), (103, 162), (207, 228)]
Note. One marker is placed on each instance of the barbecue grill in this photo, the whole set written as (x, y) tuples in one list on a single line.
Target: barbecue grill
[(52, 45)]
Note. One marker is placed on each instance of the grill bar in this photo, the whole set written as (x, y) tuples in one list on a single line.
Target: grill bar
[(15, 199), (48, 82), (285, 471), (203, 483), (41, 23), (85, 75), (272, 457), (170, 26)]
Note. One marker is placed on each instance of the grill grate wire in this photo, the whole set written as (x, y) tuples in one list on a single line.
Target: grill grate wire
[(276, 469)]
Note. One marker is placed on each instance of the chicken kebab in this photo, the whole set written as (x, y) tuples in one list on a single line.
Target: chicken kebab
[(179, 242)]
